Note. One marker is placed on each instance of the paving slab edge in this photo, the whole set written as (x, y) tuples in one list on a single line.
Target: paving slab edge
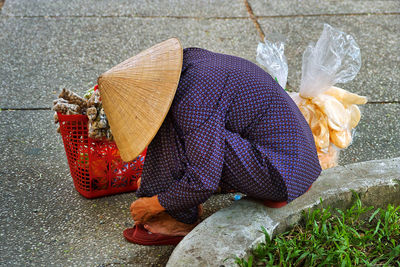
[(233, 231)]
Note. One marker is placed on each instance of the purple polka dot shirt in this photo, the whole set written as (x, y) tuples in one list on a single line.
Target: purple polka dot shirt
[(230, 126)]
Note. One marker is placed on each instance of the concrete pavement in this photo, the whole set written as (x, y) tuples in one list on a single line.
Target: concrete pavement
[(47, 45)]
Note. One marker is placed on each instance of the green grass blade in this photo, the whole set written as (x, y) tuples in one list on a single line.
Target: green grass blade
[(374, 214)]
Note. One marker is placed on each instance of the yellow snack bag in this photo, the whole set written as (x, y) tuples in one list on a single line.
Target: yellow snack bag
[(341, 139), (319, 128), (355, 116), (338, 117), (328, 159), (345, 97)]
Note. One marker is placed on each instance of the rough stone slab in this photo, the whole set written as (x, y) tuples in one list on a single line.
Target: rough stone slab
[(234, 230), (40, 56), (377, 136), (45, 222), (185, 8), (377, 37), (314, 7)]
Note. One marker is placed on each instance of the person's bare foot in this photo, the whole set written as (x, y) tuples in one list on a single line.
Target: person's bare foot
[(166, 225)]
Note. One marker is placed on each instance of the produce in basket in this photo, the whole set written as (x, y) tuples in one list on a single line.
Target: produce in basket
[(70, 103), (331, 112)]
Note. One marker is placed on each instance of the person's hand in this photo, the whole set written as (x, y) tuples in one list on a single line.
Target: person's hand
[(138, 182), (145, 208)]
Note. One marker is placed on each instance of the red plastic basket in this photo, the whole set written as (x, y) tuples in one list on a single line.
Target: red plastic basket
[(96, 166)]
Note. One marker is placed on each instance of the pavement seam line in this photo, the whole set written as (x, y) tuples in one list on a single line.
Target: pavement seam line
[(329, 15), (254, 19), (122, 16), (15, 109), (384, 102), (206, 18)]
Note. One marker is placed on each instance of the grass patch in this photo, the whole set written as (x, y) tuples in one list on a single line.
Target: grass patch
[(358, 236)]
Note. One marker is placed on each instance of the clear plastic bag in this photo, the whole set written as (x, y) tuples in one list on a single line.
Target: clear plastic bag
[(270, 54), (335, 58)]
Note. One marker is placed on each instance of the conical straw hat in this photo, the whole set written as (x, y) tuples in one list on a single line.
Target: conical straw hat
[(137, 94)]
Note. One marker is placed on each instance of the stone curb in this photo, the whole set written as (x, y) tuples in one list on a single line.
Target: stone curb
[(233, 231)]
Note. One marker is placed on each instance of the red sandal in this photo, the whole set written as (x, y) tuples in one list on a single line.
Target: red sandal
[(139, 235), (274, 204)]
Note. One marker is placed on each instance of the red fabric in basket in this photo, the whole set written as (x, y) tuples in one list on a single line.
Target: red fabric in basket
[(95, 165)]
